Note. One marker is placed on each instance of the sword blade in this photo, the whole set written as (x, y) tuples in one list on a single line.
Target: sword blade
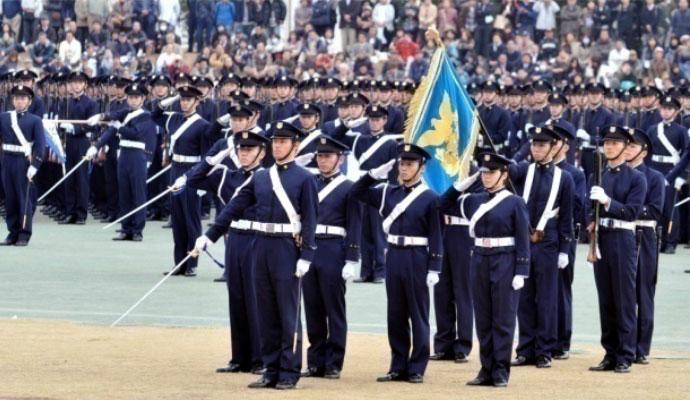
[(129, 214), (71, 171), (158, 174)]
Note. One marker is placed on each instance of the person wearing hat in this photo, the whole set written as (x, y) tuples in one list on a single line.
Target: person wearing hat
[(285, 105), (23, 146), (535, 112), (213, 176), (78, 107), (308, 121), (558, 103), (330, 89), (343, 114), (337, 254), (189, 140), (628, 114), (648, 255), (595, 116), (412, 225), (286, 201), (621, 200), (371, 147), (566, 274), (206, 107), (27, 78), (499, 263), (396, 119), (669, 141), (548, 193), (649, 113), (136, 132), (496, 119)]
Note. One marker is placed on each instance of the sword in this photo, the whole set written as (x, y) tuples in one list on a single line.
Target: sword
[(680, 203), (26, 206), (298, 331), (73, 121), (129, 214), (168, 275), (71, 171), (158, 174), (215, 260)]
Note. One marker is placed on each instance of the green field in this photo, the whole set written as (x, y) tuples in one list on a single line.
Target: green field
[(76, 273)]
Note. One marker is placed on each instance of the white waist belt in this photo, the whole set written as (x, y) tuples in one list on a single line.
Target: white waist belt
[(185, 159), (646, 223), (406, 241), (265, 227), (330, 230), (14, 148), (453, 220), (494, 242), (616, 224), (131, 144), (664, 159)]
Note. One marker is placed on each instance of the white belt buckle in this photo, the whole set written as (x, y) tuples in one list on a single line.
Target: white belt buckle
[(486, 242)]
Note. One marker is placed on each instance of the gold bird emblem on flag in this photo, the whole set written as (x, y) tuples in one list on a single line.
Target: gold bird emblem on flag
[(441, 141)]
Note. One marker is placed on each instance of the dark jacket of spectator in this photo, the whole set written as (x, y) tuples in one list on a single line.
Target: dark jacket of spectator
[(351, 8), (680, 22), (260, 14)]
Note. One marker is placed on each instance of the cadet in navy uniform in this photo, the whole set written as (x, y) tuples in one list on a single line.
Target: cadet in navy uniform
[(328, 107), (396, 119), (496, 118), (567, 273), (206, 107), (595, 117), (648, 257), (371, 150), (548, 193), (669, 139), (309, 121), (534, 115), (285, 105), (453, 293), (413, 262), (499, 265), (23, 145), (160, 89), (26, 78), (621, 196), (286, 204), (188, 141), (134, 127), (79, 107), (215, 177), (337, 254), (557, 105)]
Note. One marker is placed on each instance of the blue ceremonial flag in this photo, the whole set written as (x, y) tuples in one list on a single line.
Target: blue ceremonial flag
[(53, 140), (443, 120)]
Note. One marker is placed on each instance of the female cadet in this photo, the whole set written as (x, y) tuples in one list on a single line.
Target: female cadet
[(499, 264)]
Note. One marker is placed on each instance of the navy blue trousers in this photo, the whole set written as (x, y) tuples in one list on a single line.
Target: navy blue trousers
[(277, 294), (670, 215), (131, 176), (646, 288), (244, 317), (453, 295), (373, 245), (408, 302), (538, 307), (77, 185), (186, 219), (324, 306), (14, 182), (565, 301), (615, 277), (495, 309), (111, 174)]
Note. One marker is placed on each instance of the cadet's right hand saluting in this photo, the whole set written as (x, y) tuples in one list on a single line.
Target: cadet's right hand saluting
[(381, 172)]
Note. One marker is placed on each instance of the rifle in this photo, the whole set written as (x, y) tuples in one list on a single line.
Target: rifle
[(594, 254)]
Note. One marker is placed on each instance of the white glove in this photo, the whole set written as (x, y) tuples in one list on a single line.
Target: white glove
[(582, 134), (202, 242), (678, 183), (166, 103), (562, 260), (69, 128), (353, 123), (381, 172), (94, 119), (91, 153), (115, 124), (302, 268), (304, 159), (224, 120), (518, 282), (349, 270), (216, 159), (465, 184), (597, 193), (528, 126), (179, 183), (431, 278), (31, 172)]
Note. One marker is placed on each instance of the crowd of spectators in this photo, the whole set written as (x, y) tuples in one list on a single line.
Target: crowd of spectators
[(621, 43)]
